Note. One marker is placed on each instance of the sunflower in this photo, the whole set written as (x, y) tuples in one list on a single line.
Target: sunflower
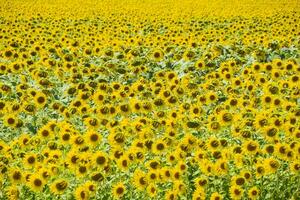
[(216, 196), (200, 65), (246, 174), (251, 147), (213, 143), (54, 169), (225, 118), (135, 105), (92, 122), (269, 149), (16, 67), (201, 182), (165, 174), (295, 167), (65, 136), (16, 176), (267, 99), (30, 160), (277, 102), (12, 192), (238, 180), (15, 107), (72, 159), (199, 194), (91, 187), (116, 153), (10, 120), (171, 195), (256, 67), (196, 111), (188, 55), (100, 158), (116, 138), (276, 74), (78, 140), (159, 147), (268, 67), (236, 192), (281, 150), (177, 174), (152, 175), (123, 163), (233, 102), (36, 183), (157, 55), (59, 186), (271, 165), (260, 170), (271, 133), (82, 170), (253, 193), (97, 176), (45, 132), (180, 187), (44, 173), (118, 190), (40, 99), (124, 109), (221, 166), (295, 80), (81, 193), (140, 180), (27, 176), (152, 190), (212, 97), (214, 126), (93, 137)]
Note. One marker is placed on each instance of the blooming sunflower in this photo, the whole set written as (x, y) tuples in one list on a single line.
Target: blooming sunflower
[(59, 186), (118, 190), (36, 183)]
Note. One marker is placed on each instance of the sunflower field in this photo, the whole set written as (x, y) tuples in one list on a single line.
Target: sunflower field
[(149, 99)]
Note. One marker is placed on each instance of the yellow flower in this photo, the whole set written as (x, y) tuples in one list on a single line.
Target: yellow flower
[(82, 170), (171, 195), (216, 196), (157, 55), (251, 147), (81, 193), (140, 179), (36, 183), (12, 192), (93, 137), (159, 147), (123, 163), (199, 194), (30, 160), (16, 176), (253, 193), (152, 190), (91, 187), (236, 192), (40, 99), (238, 180), (10, 120), (200, 65), (295, 167), (271, 165), (118, 190), (59, 186)]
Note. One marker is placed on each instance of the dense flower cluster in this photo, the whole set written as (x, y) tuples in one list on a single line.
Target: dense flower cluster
[(150, 100)]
